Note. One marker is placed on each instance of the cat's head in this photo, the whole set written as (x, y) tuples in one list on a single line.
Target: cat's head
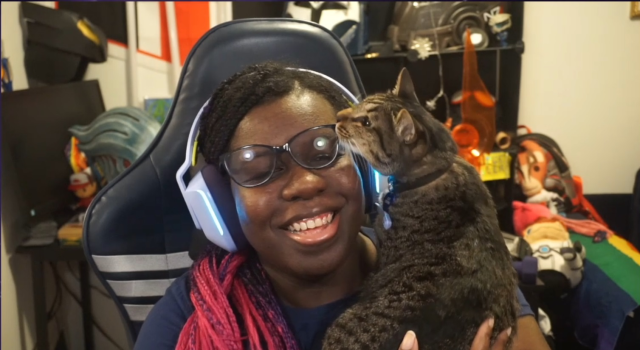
[(394, 132)]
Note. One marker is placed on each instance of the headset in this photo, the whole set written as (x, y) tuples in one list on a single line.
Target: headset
[(208, 194)]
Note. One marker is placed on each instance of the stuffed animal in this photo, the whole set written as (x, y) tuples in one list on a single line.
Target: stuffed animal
[(531, 176), (560, 261)]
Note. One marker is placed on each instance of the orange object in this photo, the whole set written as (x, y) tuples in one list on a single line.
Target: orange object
[(532, 168), (584, 204), (192, 19), (476, 134), (77, 159), (448, 123)]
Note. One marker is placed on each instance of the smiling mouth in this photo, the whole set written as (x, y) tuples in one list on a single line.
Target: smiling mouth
[(316, 230), (305, 225)]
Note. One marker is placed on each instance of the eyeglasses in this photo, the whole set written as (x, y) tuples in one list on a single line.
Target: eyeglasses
[(254, 165)]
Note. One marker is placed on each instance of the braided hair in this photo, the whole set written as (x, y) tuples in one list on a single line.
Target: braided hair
[(233, 298)]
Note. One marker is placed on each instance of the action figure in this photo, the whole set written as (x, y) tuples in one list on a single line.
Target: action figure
[(499, 24), (84, 187)]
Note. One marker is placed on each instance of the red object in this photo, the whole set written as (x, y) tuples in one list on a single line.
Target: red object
[(192, 20), (84, 202), (526, 214), (584, 205), (585, 227), (78, 181)]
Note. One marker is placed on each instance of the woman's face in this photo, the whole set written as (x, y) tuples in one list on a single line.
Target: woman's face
[(298, 195)]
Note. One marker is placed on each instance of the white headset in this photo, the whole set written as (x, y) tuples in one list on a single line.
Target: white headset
[(207, 189)]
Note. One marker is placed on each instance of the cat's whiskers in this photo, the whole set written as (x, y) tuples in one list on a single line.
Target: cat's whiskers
[(355, 145), (348, 146), (385, 164)]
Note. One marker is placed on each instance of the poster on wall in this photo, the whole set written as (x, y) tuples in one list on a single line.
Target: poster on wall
[(158, 108)]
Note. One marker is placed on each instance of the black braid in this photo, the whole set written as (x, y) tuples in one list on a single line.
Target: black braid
[(254, 86)]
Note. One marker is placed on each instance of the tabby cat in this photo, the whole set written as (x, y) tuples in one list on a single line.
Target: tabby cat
[(443, 267)]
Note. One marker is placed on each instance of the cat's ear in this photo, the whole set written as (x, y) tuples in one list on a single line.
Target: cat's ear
[(404, 87), (405, 127)]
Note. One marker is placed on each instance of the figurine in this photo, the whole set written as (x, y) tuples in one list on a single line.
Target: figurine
[(531, 176), (499, 24), (84, 187), (556, 254), (114, 140)]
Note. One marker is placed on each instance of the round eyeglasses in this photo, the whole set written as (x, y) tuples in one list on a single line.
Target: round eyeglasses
[(254, 165)]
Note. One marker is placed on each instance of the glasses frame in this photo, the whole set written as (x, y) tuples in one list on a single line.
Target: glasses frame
[(278, 150)]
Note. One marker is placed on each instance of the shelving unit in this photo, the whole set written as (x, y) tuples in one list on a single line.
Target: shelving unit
[(499, 68)]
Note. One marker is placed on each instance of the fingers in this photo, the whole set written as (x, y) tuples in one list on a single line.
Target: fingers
[(409, 342), (501, 341), (483, 337)]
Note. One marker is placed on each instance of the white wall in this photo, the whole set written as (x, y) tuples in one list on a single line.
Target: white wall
[(581, 86), (153, 77), (18, 327)]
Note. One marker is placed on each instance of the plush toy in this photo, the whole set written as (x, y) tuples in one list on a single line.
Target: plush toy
[(525, 214), (560, 261), (531, 176), (84, 187)]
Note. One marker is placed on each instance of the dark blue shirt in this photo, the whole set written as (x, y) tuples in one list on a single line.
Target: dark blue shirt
[(164, 323)]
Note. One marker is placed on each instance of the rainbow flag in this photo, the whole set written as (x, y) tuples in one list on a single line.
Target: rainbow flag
[(609, 291)]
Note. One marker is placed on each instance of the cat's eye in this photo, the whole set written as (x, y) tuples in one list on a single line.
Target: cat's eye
[(365, 121)]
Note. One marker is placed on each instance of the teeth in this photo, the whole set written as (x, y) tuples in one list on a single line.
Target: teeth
[(310, 224)]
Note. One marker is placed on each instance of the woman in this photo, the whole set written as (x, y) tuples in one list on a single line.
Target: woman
[(286, 290)]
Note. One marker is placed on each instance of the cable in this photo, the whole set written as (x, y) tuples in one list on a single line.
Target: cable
[(431, 104), (57, 299), (77, 278), (55, 305), (77, 300)]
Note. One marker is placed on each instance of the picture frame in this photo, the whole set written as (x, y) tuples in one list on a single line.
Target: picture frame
[(635, 9)]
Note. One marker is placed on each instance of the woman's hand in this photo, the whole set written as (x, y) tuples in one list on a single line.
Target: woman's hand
[(482, 340)]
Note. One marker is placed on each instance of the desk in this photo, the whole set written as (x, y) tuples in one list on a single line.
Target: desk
[(54, 253)]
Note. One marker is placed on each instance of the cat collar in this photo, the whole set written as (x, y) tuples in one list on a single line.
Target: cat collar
[(395, 187), (398, 187)]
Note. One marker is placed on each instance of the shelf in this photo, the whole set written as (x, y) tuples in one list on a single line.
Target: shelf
[(519, 46)]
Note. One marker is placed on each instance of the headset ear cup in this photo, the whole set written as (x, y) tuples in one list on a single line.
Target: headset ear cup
[(220, 189), (368, 183)]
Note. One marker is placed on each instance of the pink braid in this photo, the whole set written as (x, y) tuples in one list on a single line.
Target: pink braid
[(239, 279)]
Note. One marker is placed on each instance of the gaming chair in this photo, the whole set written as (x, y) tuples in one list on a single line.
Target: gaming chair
[(138, 231)]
